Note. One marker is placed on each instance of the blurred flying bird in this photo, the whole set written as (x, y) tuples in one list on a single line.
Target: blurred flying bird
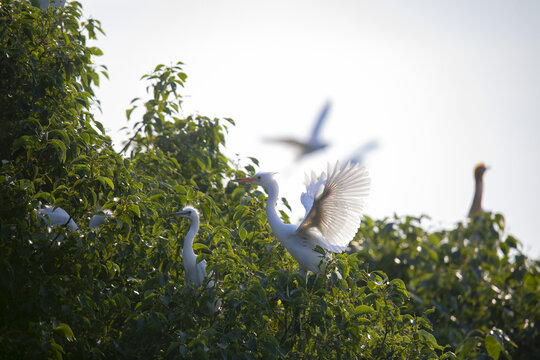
[(334, 203), (314, 143), (358, 156), (195, 272), (476, 206)]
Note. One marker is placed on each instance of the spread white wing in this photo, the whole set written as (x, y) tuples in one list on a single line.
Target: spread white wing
[(313, 184), (334, 212)]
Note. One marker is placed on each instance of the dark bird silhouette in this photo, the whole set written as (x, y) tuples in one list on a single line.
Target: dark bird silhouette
[(476, 205), (314, 142)]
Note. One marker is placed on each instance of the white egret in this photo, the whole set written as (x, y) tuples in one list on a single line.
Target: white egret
[(314, 143), (334, 204), (56, 216), (195, 272), (476, 205), (99, 219)]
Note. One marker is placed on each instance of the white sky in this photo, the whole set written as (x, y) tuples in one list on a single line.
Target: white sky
[(440, 85)]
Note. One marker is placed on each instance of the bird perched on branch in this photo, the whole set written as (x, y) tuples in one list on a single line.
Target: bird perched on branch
[(195, 272), (334, 204), (476, 205), (56, 216), (314, 142)]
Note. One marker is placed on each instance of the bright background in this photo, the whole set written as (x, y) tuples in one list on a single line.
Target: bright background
[(440, 85)]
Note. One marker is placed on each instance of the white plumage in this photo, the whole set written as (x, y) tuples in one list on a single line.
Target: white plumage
[(99, 219), (195, 272), (334, 203), (57, 217)]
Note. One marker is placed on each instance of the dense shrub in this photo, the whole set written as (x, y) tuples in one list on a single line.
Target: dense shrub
[(485, 291)]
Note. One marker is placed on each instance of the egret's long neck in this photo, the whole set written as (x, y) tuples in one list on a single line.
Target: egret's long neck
[(477, 200), (187, 252), (273, 219)]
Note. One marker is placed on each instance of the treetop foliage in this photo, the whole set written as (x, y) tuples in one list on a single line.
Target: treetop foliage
[(118, 291)]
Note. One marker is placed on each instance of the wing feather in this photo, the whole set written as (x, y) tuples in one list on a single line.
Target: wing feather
[(335, 212), (288, 141), (314, 138), (313, 184)]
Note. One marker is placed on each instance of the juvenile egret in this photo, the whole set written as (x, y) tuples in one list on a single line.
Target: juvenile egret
[(313, 143), (476, 205), (334, 204), (195, 272)]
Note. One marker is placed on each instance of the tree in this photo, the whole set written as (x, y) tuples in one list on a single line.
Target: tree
[(119, 291), (484, 290)]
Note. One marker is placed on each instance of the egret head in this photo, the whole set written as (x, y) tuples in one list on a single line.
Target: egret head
[(188, 212), (264, 179), (479, 170)]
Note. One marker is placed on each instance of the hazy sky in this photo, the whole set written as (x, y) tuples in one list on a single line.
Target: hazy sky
[(440, 85)]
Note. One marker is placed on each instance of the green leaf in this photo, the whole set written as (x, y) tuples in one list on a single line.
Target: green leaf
[(96, 51), (242, 233), (106, 181), (99, 126), (135, 209), (363, 309), (60, 147), (66, 330), (429, 338), (59, 134), (199, 246), (493, 347), (57, 349), (45, 196)]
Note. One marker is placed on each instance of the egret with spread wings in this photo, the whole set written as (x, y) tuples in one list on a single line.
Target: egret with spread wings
[(314, 142), (334, 204)]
